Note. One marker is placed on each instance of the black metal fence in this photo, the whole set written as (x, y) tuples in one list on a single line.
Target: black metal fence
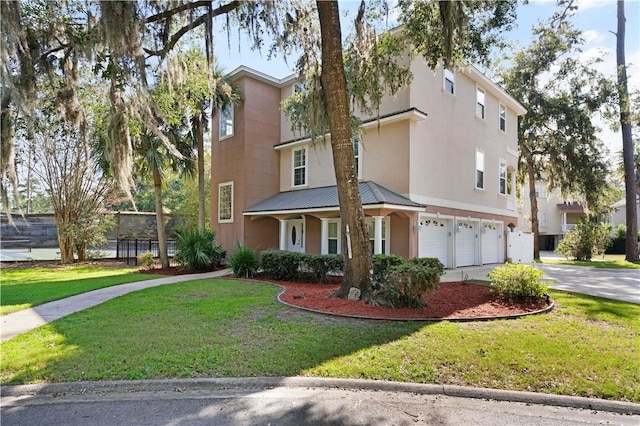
[(128, 249)]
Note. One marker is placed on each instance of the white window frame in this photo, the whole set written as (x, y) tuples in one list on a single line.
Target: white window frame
[(502, 177), (479, 162), (221, 187), (448, 75), (502, 117), (226, 122), (338, 225), (481, 109), (385, 231), (357, 153), (303, 166)]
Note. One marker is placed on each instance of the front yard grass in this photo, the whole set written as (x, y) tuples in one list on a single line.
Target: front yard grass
[(23, 288), (587, 346), (609, 261)]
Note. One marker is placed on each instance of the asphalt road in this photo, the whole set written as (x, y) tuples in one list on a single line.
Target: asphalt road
[(296, 401)]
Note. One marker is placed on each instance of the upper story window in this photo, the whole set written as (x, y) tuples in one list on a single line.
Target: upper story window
[(502, 118), (226, 122), (225, 202), (358, 158), (449, 81), (300, 167), (479, 169), (480, 109), (502, 173)]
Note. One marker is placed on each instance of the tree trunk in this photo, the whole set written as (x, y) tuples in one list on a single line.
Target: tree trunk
[(65, 242), (198, 129), (81, 251), (535, 225), (162, 240), (631, 247), (355, 242)]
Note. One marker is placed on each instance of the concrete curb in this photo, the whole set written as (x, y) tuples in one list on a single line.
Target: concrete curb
[(251, 384)]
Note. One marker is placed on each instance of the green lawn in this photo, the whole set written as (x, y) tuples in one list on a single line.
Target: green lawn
[(226, 328), (609, 261), (23, 288)]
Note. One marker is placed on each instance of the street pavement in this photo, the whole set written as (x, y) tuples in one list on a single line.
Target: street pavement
[(299, 400)]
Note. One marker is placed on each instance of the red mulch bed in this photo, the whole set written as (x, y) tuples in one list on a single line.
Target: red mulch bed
[(452, 300), (457, 300)]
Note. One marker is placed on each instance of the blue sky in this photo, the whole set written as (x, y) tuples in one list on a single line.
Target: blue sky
[(596, 18)]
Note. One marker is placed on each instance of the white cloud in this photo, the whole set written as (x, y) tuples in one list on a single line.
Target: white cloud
[(593, 36), (593, 4)]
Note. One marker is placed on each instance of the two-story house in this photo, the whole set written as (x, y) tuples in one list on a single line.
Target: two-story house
[(436, 171), (556, 215)]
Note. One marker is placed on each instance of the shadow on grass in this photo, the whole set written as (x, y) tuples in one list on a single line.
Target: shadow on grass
[(599, 308), (202, 328)]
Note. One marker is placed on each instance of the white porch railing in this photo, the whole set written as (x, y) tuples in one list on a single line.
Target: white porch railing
[(568, 227)]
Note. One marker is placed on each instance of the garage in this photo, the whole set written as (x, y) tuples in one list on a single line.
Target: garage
[(433, 239), (491, 243), (466, 236)]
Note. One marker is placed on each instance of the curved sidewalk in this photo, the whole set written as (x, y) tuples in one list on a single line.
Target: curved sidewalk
[(26, 320)]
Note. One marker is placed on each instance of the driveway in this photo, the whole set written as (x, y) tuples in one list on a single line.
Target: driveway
[(617, 284)]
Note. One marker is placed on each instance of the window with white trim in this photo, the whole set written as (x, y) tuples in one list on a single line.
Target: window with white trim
[(502, 173), (226, 122), (502, 117), (480, 102), (356, 154), (449, 81), (479, 169), (372, 233), (333, 237), (300, 167), (225, 202)]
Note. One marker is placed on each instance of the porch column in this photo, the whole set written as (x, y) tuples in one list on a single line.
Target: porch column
[(283, 234), (324, 235), (377, 239)]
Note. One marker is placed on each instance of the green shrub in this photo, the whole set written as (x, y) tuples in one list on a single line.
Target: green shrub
[(280, 265), (382, 264), (198, 251), (244, 262), (618, 240), (335, 262), (588, 239), (429, 262), (146, 260), (518, 282), (314, 267), (405, 285)]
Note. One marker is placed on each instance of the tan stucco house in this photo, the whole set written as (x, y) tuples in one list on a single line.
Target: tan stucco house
[(436, 172)]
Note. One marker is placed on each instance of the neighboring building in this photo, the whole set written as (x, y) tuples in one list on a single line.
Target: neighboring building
[(556, 215), (619, 213), (436, 172)]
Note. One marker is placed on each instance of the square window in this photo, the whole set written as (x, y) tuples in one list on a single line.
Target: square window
[(333, 238), (480, 103), (226, 122), (225, 202)]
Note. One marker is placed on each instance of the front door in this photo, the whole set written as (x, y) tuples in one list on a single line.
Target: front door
[(295, 235)]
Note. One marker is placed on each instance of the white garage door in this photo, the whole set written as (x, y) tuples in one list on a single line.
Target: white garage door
[(466, 243), (490, 243), (433, 240)]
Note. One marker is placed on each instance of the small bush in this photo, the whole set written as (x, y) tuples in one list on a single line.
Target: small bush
[(382, 264), (146, 260), (198, 251), (314, 267), (280, 265), (588, 239), (406, 284), (244, 262), (618, 240), (335, 262), (429, 262), (518, 282)]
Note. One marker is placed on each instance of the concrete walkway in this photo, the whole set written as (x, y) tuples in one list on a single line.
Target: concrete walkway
[(28, 319)]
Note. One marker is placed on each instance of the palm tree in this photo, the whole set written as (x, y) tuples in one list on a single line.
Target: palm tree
[(154, 161)]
